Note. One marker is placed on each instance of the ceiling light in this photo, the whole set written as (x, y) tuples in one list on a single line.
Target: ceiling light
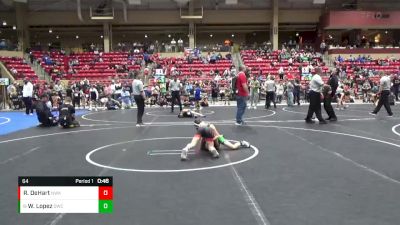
[(50, 31), (211, 35), (386, 32), (297, 34), (14, 27), (101, 36), (76, 36), (4, 23), (169, 35), (233, 35), (145, 36), (57, 37)]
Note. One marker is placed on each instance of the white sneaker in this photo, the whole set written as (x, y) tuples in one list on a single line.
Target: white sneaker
[(184, 154), (31, 114), (238, 124), (214, 153), (245, 144)]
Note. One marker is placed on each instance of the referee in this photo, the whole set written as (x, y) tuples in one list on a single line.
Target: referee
[(139, 96), (175, 87), (316, 85), (384, 91)]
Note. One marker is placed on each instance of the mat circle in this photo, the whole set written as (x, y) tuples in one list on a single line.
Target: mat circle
[(89, 160), (168, 113)]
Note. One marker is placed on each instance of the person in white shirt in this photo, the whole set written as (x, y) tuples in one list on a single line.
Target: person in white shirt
[(315, 94), (27, 93), (175, 87), (384, 90), (269, 87), (139, 96), (281, 73), (279, 91)]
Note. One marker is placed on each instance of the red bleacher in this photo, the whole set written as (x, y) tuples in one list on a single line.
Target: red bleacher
[(23, 69)]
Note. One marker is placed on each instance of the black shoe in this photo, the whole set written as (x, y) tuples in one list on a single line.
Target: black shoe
[(373, 113), (329, 118), (333, 119), (323, 122), (309, 121)]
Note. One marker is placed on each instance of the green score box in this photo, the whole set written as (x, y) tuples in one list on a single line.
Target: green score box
[(105, 206)]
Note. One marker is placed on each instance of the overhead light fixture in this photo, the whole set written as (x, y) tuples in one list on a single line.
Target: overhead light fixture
[(101, 36), (57, 37), (386, 32), (4, 23), (297, 34), (169, 35), (76, 36), (14, 27), (211, 35), (233, 35), (145, 36), (50, 31)]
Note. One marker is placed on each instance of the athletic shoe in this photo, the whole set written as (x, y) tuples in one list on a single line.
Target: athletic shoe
[(245, 144), (390, 115), (238, 124), (322, 122), (184, 154), (139, 124), (31, 114), (309, 121), (214, 153), (328, 118), (333, 119), (373, 113)]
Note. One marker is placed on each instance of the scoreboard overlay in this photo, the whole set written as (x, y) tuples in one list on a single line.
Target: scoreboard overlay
[(65, 194)]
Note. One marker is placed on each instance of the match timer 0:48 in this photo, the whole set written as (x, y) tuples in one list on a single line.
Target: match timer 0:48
[(65, 194)]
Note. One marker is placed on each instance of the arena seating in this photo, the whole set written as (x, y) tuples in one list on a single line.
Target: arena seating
[(94, 67), (258, 61), (22, 68)]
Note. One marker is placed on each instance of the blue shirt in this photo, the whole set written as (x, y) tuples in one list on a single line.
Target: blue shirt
[(197, 94)]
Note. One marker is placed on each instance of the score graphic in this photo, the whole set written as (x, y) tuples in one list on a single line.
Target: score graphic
[(65, 194)]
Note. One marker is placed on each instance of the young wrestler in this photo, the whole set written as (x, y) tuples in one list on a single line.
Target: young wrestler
[(210, 140)]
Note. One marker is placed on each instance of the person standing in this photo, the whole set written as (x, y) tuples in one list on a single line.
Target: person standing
[(254, 87), (175, 87), (316, 85), (242, 95), (270, 88), (334, 83), (289, 93), (296, 91), (327, 91), (396, 85), (384, 91), (27, 93), (139, 96)]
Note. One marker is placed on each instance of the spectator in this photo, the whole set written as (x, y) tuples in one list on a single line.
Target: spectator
[(270, 88)]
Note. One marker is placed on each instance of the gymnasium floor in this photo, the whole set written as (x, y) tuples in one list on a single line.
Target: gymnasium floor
[(346, 172)]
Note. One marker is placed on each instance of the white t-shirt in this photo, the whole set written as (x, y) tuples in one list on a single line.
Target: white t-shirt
[(137, 87)]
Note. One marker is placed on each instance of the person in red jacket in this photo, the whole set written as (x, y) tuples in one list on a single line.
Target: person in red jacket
[(241, 95)]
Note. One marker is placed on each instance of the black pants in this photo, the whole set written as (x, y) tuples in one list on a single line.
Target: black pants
[(177, 96), (328, 107), (140, 107), (28, 105), (296, 97), (315, 106), (384, 100), (270, 97), (76, 101), (396, 91)]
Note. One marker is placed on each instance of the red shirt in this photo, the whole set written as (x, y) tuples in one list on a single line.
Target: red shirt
[(241, 79)]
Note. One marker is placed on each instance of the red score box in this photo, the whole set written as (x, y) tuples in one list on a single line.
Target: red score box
[(105, 193)]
